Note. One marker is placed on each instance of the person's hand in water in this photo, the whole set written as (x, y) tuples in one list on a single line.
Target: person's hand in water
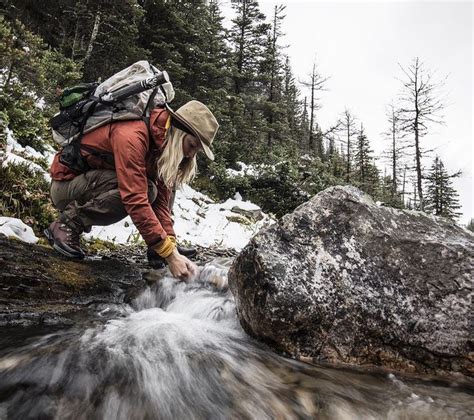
[(181, 267)]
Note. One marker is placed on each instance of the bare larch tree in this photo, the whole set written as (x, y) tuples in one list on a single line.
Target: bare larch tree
[(316, 84), (420, 107)]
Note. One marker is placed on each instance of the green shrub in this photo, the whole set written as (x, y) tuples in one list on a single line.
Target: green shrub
[(24, 194), (26, 120), (277, 190)]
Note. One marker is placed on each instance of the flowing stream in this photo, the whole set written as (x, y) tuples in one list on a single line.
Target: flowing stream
[(178, 352)]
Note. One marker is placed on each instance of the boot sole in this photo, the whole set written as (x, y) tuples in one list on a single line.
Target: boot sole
[(56, 247)]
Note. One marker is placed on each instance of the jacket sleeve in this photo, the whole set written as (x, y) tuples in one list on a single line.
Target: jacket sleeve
[(130, 144), (161, 208)]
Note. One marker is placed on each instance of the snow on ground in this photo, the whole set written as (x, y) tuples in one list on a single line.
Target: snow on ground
[(15, 228), (201, 221), (245, 169), (15, 149), (198, 221), (250, 170)]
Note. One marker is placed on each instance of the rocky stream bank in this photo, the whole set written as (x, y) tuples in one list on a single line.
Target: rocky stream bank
[(39, 288)]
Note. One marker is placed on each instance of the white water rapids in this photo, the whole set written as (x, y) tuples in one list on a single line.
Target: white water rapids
[(178, 352)]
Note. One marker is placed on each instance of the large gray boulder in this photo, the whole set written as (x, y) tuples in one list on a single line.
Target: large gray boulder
[(346, 281)]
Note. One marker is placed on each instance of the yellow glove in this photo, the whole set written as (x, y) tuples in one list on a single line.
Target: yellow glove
[(166, 247)]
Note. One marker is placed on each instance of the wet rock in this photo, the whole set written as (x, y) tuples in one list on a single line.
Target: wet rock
[(345, 281), (40, 287), (37, 286)]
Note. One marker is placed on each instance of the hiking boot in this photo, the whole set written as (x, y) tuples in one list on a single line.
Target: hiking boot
[(187, 252), (155, 261), (64, 238)]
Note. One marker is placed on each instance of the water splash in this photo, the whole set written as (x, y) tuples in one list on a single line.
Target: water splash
[(178, 351)]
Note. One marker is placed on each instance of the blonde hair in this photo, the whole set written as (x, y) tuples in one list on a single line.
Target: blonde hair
[(173, 168)]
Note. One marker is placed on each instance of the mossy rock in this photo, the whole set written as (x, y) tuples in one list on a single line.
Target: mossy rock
[(37, 284)]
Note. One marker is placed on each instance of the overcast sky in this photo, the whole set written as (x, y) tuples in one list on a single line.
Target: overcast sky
[(359, 45)]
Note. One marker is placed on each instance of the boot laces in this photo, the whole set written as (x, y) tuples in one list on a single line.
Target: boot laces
[(72, 235)]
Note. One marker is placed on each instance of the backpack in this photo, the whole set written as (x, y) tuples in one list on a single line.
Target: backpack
[(127, 95)]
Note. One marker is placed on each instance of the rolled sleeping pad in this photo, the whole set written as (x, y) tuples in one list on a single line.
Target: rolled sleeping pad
[(136, 88)]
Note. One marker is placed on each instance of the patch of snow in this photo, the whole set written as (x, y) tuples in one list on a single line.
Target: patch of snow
[(29, 151), (198, 220), (12, 157), (244, 205), (12, 144), (246, 170), (206, 223), (12, 227), (40, 103), (122, 232)]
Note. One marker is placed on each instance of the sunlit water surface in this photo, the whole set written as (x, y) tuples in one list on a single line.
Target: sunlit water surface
[(178, 352)]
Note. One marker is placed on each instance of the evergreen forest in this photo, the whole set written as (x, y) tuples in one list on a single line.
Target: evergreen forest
[(241, 71)]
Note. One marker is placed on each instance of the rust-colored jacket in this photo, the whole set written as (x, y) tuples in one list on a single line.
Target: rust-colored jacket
[(135, 159)]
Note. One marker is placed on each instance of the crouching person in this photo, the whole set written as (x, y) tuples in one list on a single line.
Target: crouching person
[(132, 171)]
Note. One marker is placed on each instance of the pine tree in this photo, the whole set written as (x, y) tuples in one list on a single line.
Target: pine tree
[(169, 35), (441, 198), (292, 103), (336, 159), (247, 37), (304, 137), (217, 53), (365, 173), (113, 39), (394, 154), (100, 36), (470, 225), (272, 74), (347, 130)]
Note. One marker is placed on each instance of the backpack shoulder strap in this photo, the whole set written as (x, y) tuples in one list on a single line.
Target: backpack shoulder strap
[(147, 111)]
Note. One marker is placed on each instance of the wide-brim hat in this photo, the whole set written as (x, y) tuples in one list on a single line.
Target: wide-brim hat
[(195, 118)]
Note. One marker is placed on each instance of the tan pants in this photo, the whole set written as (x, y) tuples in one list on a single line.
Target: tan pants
[(92, 199)]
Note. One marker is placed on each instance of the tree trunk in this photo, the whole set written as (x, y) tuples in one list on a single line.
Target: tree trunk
[(348, 168), (418, 166), (403, 184), (311, 122), (272, 75), (75, 41), (394, 158), (95, 31)]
